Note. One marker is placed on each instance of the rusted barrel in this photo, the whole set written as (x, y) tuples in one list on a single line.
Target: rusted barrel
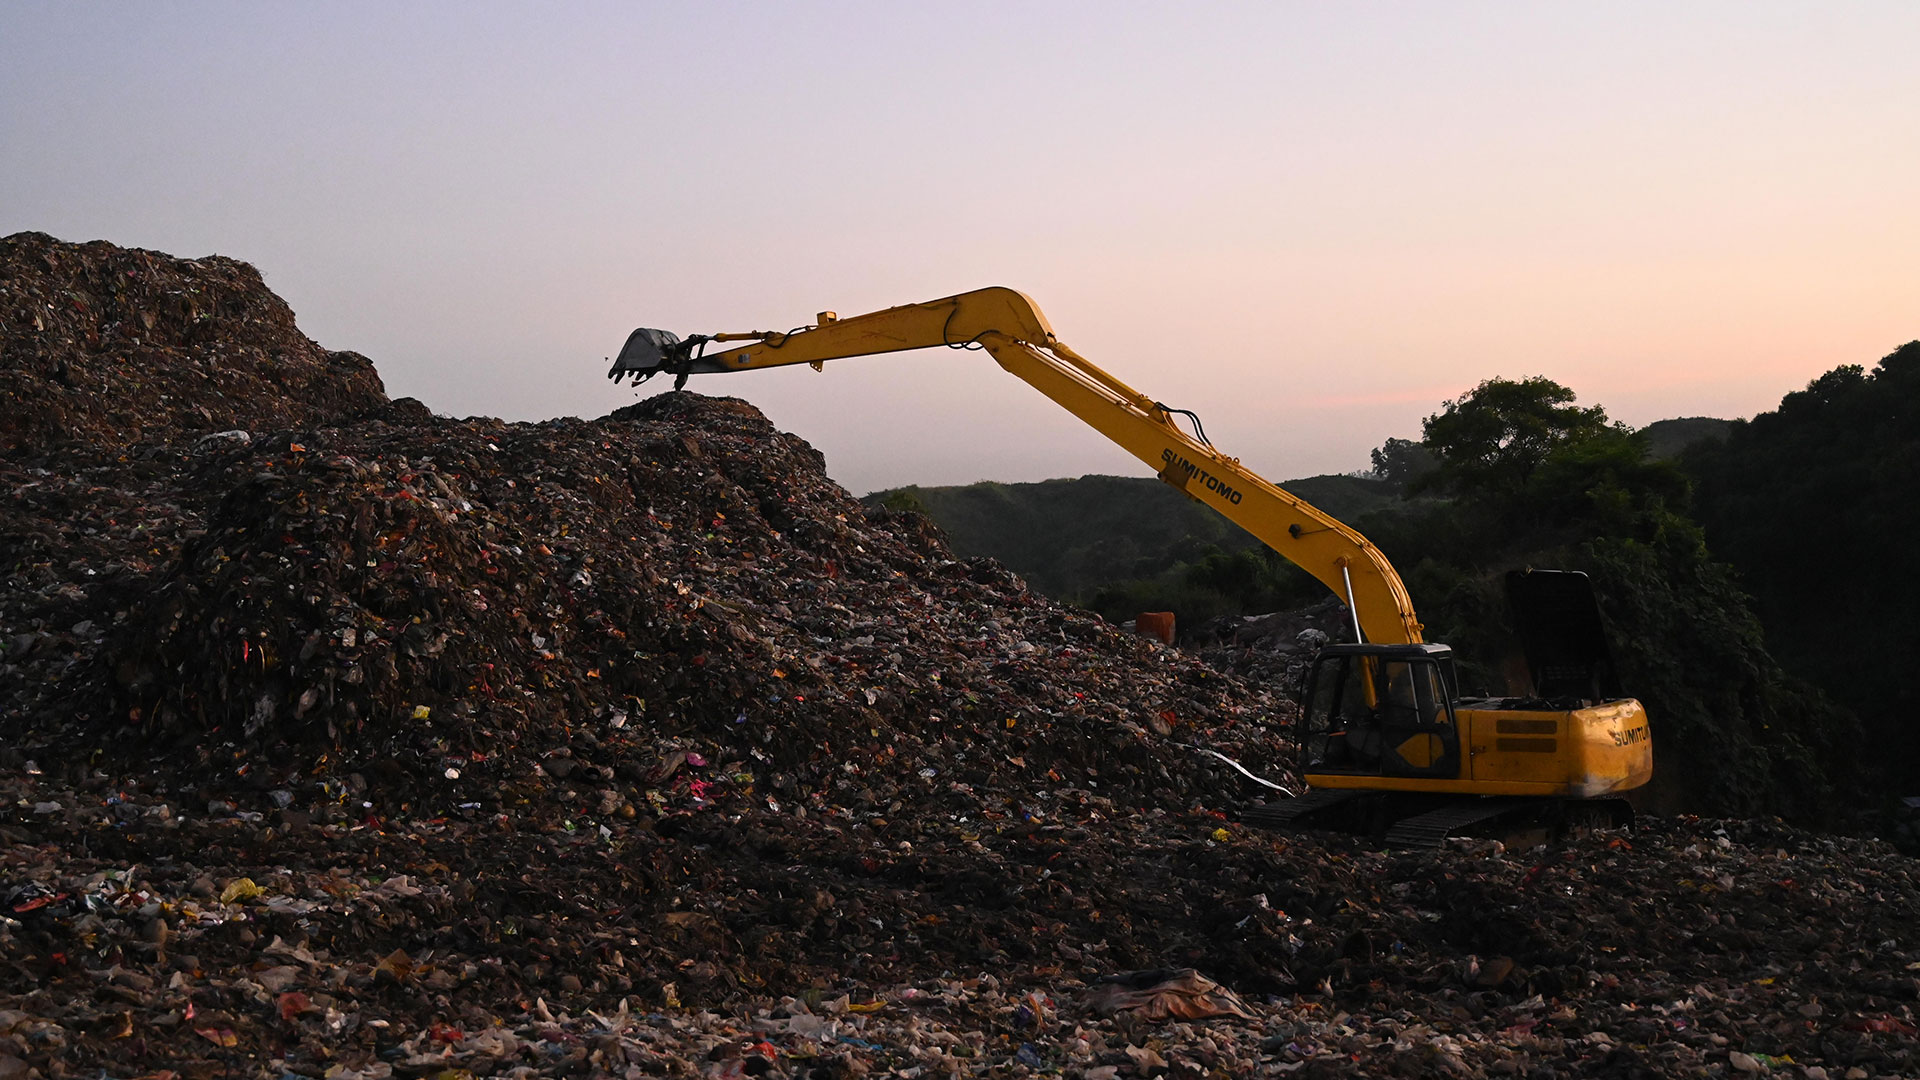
[(1155, 624)]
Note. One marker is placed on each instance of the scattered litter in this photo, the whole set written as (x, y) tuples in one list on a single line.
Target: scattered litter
[(377, 745), (1167, 995)]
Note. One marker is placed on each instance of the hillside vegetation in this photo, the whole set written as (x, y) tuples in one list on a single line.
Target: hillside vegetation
[(1667, 439), (1814, 503), (1121, 544)]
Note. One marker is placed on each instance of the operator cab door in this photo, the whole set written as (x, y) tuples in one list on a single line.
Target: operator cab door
[(1382, 715)]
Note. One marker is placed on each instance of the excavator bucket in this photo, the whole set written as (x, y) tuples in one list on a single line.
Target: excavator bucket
[(645, 354)]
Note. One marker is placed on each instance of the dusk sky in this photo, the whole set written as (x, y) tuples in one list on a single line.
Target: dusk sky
[(1311, 223)]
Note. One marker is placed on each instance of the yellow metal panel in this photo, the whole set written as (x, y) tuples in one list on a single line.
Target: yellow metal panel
[(1437, 786), (1420, 751), (1590, 751), (1616, 747), (952, 320)]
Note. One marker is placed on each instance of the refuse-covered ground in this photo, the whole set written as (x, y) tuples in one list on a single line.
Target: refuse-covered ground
[(345, 740), (1273, 650)]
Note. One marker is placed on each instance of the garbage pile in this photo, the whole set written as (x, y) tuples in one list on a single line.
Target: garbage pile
[(405, 603), (584, 608), (1273, 650), (343, 740), (142, 933), (106, 346)]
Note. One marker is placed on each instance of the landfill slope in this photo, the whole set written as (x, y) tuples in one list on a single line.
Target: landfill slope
[(444, 605), (343, 740), (106, 347), (327, 587)]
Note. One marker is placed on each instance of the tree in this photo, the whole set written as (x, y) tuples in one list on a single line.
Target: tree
[(906, 498), (1491, 439), (1403, 461), (1814, 504)]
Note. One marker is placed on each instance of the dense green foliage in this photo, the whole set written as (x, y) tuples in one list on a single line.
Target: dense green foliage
[(1667, 439), (1490, 442), (1252, 579), (1068, 537), (1815, 503), (1403, 461)]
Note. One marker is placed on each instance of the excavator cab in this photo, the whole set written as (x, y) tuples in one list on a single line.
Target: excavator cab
[(1382, 710)]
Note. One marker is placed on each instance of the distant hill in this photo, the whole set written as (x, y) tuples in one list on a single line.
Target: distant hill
[(1071, 537), (1667, 438)]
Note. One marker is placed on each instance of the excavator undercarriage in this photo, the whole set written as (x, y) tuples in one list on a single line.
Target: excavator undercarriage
[(1420, 820)]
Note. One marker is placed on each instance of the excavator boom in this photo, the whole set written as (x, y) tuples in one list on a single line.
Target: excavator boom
[(1013, 331)]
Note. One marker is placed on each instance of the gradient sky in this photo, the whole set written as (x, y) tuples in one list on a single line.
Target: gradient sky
[(1310, 222)]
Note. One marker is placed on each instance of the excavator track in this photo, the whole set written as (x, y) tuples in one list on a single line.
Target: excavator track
[(1432, 828), (1302, 812), (1424, 822)]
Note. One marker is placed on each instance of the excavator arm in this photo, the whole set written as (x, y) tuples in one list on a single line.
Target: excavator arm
[(1013, 331)]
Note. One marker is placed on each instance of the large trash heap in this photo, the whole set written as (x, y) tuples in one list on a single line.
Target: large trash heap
[(342, 739)]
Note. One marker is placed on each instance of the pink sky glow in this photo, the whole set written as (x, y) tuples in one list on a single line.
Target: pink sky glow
[(1309, 222)]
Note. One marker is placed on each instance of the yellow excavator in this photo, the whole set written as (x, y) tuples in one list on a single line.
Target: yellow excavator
[(1388, 745)]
